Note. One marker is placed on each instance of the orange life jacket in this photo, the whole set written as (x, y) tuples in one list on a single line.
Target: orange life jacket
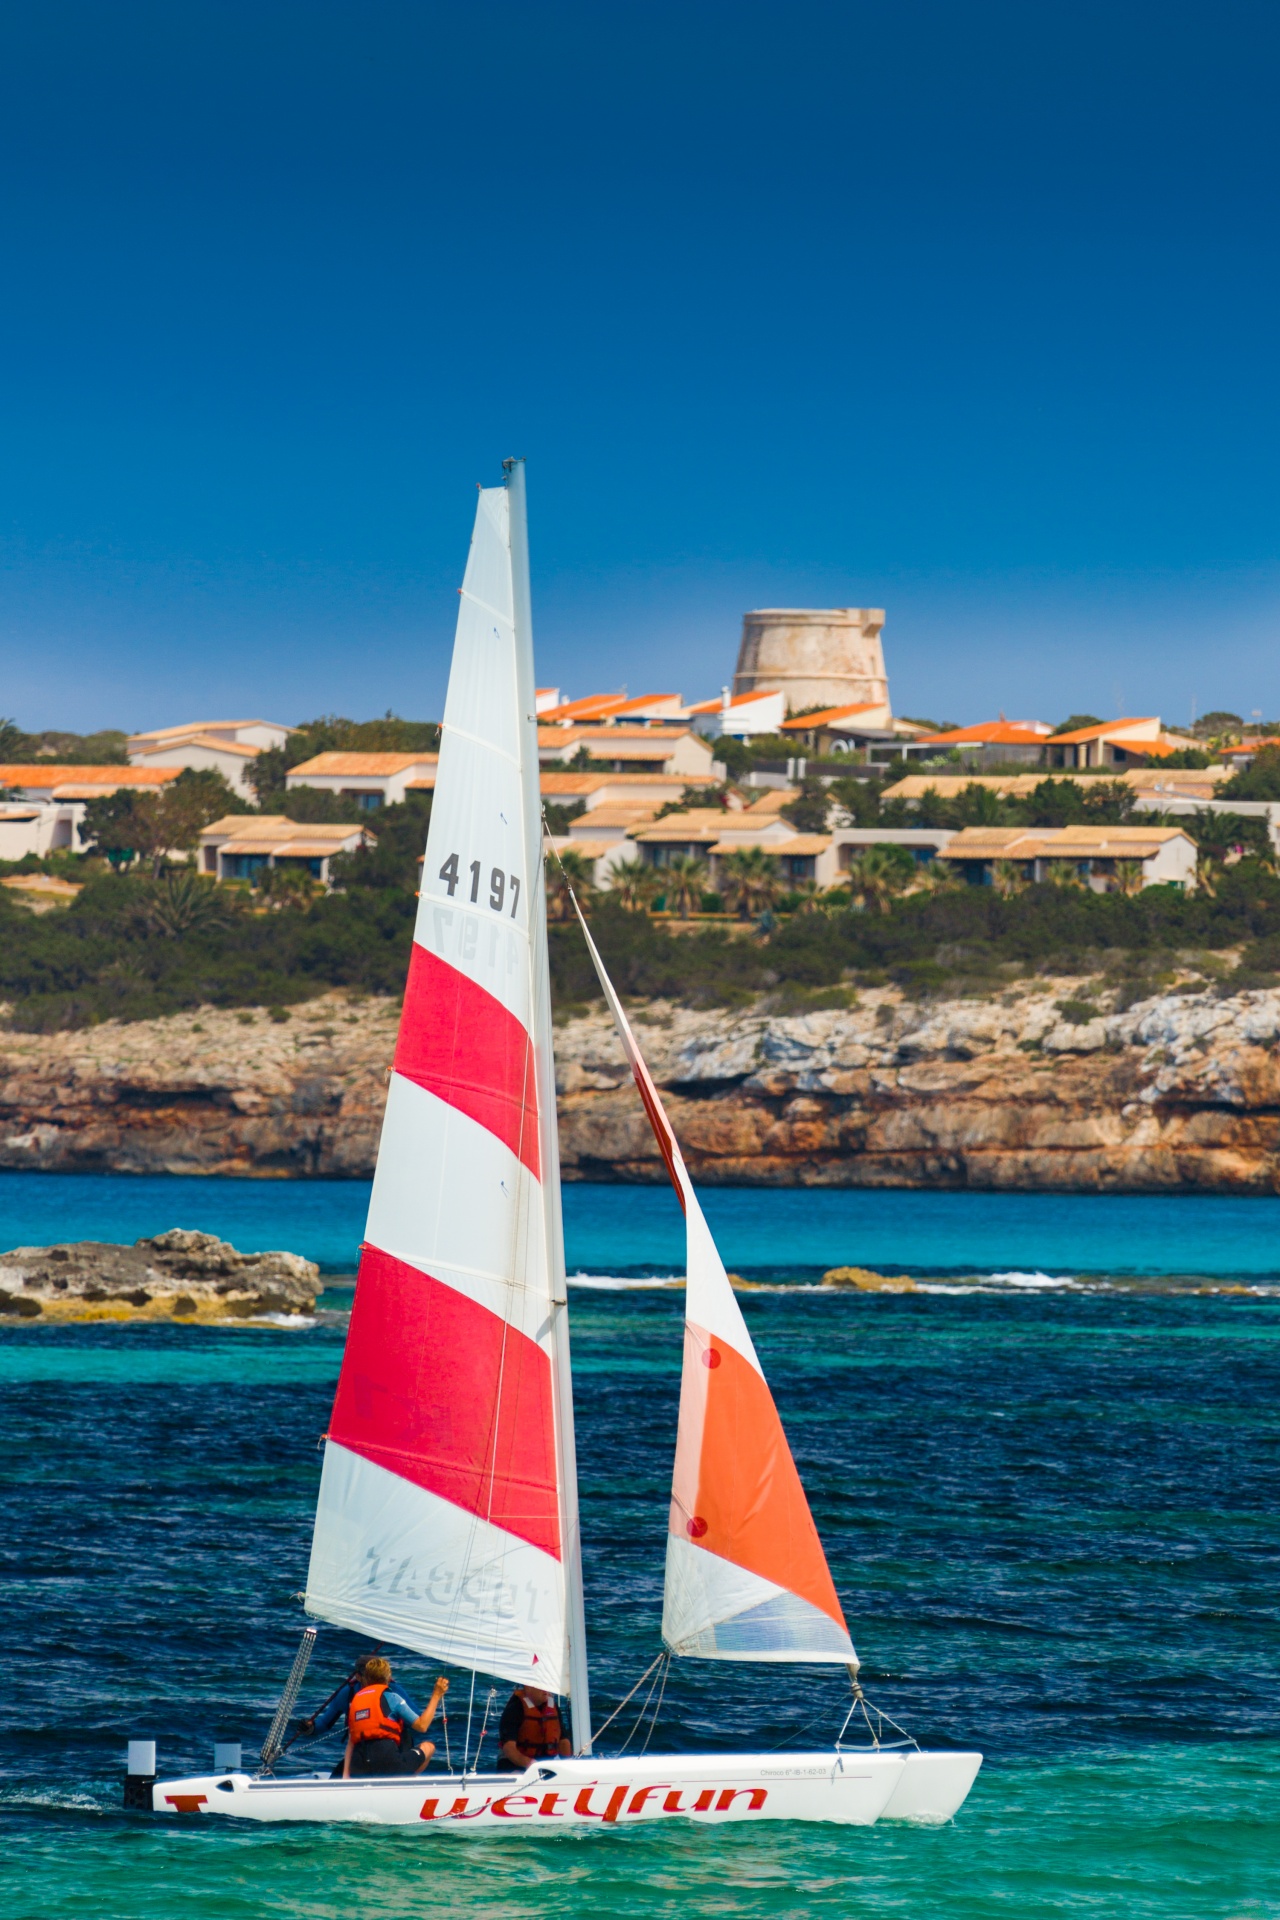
[(540, 1731), (365, 1718)]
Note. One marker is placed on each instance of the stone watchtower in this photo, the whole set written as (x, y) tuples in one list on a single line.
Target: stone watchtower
[(828, 657)]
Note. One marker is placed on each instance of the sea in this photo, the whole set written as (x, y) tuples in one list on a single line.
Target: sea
[(1046, 1477)]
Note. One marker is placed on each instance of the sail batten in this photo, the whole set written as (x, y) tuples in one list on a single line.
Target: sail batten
[(442, 1518), (746, 1575)]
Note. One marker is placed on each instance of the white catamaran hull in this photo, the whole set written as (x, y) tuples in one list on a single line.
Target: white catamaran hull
[(850, 1789)]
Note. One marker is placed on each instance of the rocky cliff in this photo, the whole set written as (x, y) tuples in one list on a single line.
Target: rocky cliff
[(1041, 1088)]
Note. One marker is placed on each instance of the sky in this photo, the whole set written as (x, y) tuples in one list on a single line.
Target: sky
[(966, 312)]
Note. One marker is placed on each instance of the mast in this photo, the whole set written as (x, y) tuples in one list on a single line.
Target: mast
[(562, 1375)]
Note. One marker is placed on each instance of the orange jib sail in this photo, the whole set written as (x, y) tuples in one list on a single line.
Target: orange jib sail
[(746, 1578)]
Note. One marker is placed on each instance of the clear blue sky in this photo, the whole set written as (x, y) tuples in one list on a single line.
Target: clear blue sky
[(965, 311)]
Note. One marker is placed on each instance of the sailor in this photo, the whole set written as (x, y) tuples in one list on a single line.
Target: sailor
[(335, 1707), (381, 1722), (530, 1729)]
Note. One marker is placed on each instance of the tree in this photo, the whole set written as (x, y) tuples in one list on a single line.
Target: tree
[(125, 826), (130, 824), (696, 797), (53, 747), (266, 775), (1261, 781), (1072, 803), (184, 902), (809, 813), (1075, 721), (875, 876), (1008, 877), (1109, 803), (1128, 876), (932, 810), (568, 870), (735, 756), (1218, 835), (684, 881), (635, 886), (286, 886), (1218, 724), (750, 881), (978, 806), (192, 802)]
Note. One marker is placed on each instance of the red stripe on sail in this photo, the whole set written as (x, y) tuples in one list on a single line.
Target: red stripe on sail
[(441, 1391), (462, 1044), (661, 1125)]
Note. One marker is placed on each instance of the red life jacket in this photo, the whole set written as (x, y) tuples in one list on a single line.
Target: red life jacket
[(540, 1731), (365, 1718)]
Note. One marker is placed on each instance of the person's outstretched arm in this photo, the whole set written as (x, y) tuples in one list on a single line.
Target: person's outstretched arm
[(346, 1758), (428, 1713)]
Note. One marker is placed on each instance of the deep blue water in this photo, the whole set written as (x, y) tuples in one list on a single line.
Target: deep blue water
[(1051, 1515)]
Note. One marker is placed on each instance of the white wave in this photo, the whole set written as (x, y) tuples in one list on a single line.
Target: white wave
[(605, 1283), (1052, 1281)]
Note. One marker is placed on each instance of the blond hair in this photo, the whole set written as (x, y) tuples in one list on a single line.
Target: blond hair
[(377, 1671)]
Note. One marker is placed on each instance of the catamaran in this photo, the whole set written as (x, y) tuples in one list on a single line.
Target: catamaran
[(447, 1520)]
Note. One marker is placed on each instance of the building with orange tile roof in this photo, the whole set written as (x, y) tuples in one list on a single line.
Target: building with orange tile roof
[(626, 749), (1095, 855), (241, 845), (740, 716), (372, 780), (599, 709)]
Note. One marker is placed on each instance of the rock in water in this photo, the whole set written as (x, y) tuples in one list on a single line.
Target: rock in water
[(868, 1281), (180, 1274)]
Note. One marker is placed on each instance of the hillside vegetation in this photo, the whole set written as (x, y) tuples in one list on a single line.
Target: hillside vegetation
[(132, 945)]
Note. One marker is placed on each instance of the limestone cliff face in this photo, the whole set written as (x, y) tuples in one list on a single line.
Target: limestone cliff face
[(1182, 1091), (210, 1092)]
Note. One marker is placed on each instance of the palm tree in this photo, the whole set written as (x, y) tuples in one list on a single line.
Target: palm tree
[(1063, 873), (1008, 877), (750, 881), (1128, 876), (566, 870), (635, 886), (183, 902), (285, 886), (808, 896), (874, 877), (684, 881)]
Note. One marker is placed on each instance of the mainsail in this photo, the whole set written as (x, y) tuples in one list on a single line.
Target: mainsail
[(447, 1516), (747, 1578)]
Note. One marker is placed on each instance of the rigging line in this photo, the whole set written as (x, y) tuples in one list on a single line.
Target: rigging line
[(466, 1745), (630, 1696), (658, 1709), (640, 1716), (492, 1695)]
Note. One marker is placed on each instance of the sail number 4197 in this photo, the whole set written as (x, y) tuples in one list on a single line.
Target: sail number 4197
[(500, 884)]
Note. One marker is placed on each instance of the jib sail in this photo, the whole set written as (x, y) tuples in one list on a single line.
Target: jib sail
[(746, 1576)]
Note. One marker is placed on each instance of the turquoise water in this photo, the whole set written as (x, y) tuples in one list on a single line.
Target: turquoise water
[(639, 1229), (1051, 1514)]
